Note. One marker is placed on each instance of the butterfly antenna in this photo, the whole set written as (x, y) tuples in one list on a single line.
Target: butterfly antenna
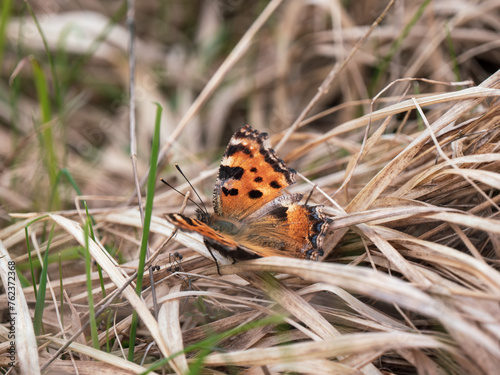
[(310, 194), (183, 175), (177, 191)]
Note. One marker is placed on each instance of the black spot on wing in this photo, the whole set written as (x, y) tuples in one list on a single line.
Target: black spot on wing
[(226, 172), (280, 213), (255, 194), (178, 218), (258, 179), (234, 148), (254, 170), (231, 192), (275, 185), (277, 164), (189, 221), (246, 132)]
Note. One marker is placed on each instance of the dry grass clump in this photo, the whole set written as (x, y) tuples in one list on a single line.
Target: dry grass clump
[(408, 169)]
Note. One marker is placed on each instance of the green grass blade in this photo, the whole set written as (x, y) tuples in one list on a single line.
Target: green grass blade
[(88, 269), (49, 57), (64, 172), (23, 280), (147, 222), (68, 254), (47, 138), (61, 296), (42, 91), (4, 19), (42, 289), (149, 198), (30, 259), (92, 235)]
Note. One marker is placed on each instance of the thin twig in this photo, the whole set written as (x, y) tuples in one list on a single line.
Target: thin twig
[(132, 124)]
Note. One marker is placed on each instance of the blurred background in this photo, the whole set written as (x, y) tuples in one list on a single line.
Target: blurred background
[(64, 96)]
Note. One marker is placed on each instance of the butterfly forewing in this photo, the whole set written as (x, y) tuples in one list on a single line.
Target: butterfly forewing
[(250, 175), (189, 224)]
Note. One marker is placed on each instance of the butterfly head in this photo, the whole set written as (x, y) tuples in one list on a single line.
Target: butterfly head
[(203, 215)]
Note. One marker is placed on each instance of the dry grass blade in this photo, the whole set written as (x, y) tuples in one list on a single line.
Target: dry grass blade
[(168, 320), (336, 347), (20, 327), (116, 362), (294, 304)]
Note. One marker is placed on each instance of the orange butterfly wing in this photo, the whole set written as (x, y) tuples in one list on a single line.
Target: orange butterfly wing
[(250, 175), (252, 216), (189, 224)]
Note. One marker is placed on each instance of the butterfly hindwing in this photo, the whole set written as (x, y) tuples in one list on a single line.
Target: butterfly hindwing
[(290, 229)]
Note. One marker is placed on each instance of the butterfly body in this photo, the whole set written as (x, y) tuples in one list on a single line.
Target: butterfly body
[(252, 217)]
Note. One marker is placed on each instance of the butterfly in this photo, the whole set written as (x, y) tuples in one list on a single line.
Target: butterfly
[(252, 216)]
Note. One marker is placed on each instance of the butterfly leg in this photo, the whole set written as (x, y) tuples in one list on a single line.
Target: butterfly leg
[(209, 248)]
